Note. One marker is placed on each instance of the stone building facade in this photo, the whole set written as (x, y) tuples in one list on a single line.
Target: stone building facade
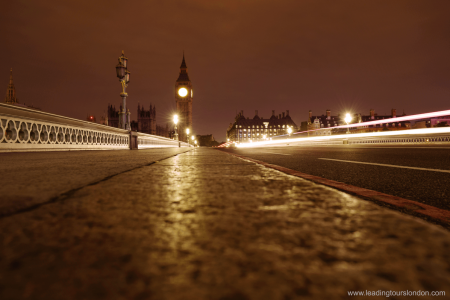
[(245, 129), (146, 120)]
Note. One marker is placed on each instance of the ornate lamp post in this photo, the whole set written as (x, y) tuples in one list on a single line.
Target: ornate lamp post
[(124, 77), (175, 121), (348, 119)]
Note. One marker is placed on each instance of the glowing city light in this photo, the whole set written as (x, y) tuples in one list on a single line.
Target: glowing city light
[(175, 119), (348, 118), (182, 92)]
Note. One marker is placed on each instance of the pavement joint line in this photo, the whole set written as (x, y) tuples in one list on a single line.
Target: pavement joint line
[(386, 165), (66, 195), (437, 214)]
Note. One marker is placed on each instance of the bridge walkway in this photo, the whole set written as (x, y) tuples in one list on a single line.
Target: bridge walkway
[(199, 224)]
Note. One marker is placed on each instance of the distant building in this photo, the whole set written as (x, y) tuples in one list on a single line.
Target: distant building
[(165, 131), (206, 140), (245, 129), (402, 125), (11, 95), (146, 122), (442, 121), (322, 122), (326, 122), (112, 116)]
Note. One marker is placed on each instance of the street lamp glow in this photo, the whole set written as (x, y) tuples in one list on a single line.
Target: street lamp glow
[(228, 140), (187, 130), (193, 137), (348, 118), (289, 130), (195, 142), (175, 119)]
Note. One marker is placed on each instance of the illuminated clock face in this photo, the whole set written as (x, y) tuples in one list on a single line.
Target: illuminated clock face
[(182, 92)]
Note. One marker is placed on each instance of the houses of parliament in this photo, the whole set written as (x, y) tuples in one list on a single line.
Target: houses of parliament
[(146, 118)]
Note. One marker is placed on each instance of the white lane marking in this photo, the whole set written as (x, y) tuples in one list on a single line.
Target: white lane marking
[(385, 165), (275, 153)]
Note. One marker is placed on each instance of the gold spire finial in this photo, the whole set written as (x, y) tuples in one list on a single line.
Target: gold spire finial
[(123, 52)]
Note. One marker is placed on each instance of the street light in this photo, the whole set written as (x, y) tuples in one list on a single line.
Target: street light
[(187, 135), (348, 119), (175, 121), (195, 143), (289, 131), (124, 77)]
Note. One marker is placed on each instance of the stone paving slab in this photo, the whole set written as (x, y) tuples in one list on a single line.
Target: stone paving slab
[(31, 178), (189, 228)]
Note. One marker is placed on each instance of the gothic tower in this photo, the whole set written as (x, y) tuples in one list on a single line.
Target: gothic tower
[(183, 98), (11, 91)]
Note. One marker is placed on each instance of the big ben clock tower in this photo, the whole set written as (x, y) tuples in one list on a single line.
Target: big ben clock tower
[(183, 98)]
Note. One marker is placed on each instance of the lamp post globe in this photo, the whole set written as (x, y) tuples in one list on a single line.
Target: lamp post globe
[(120, 70)]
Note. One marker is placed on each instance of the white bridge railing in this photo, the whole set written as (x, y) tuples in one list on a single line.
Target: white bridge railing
[(24, 129)]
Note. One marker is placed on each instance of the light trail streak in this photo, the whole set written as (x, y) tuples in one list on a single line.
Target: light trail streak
[(383, 121), (421, 131)]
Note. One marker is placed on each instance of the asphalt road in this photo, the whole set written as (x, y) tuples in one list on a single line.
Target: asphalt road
[(395, 173)]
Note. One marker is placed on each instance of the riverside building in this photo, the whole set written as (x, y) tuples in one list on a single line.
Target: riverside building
[(258, 128)]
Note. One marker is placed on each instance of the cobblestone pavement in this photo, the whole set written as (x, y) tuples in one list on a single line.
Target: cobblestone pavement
[(207, 225), (33, 178)]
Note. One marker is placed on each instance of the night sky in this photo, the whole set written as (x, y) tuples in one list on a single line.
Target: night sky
[(241, 55)]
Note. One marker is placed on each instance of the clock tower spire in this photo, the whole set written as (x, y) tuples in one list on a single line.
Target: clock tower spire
[(183, 97)]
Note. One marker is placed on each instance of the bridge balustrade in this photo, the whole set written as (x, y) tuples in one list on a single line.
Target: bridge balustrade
[(24, 129)]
